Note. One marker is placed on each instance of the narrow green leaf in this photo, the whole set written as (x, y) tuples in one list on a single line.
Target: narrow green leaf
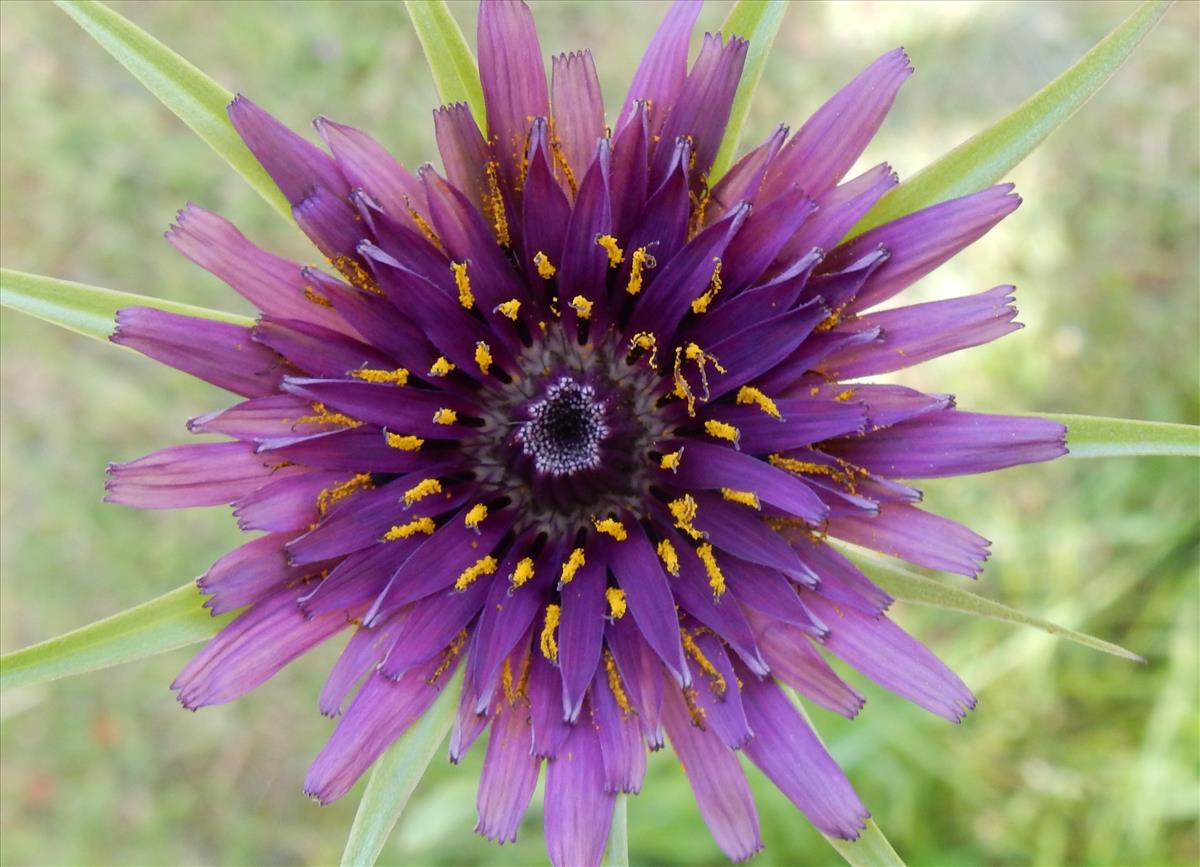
[(1091, 436), (987, 157), (173, 620), (449, 57), (195, 98), (908, 586), (618, 835), (871, 849), (758, 21), (396, 776), (87, 310)]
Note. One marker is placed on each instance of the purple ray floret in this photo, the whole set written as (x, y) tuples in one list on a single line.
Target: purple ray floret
[(569, 420)]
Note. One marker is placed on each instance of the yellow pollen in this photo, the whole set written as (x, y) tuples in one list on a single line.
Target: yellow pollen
[(356, 274), (322, 415), (614, 683), (403, 531), (574, 563), (745, 498), (509, 308), (475, 516), (441, 367), (506, 683), (548, 642), (582, 306), (337, 493), (453, 649), (523, 572), (684, 511), (422, 489), (845, 395), (404, 442), (463, 282), (399, 376), (485, 566), (671, 461), (495, 204), (641, 261), (616, 602), (716, 580), (666, 553), (747, 394), (722, 430), (544, 267), (311, 295), (445, 416), (693, 650), (612, 527), (683, 389), (645, 340), (615, 254), (483, 356), (700, 305), (423, 225)]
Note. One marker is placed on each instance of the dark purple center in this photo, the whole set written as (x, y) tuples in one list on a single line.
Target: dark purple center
[(565, 429)]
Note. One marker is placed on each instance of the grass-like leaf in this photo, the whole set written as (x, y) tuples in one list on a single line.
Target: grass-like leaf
[(986, 158), (617, 853), (908, 586), (455, 72), (871, 849), (758, 21), (195, 98), (87, 310), (1091, 436), (395, 777), (173, 620)]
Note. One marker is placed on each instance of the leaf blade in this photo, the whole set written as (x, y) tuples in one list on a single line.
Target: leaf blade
[(757, 21), (871, 849), (617, 853), (87, 310), (1092, 436), (908, 586), (455, 72), (170, 621), (395, 777), (191, 95), (986, 157)]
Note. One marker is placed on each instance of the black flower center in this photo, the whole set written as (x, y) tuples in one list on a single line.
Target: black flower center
[(565, 429)]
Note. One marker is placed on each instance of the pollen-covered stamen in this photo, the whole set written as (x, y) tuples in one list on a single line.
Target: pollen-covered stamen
[(495, 204), (522, 573), (745, 498), (399, 376), (666, 553), (617, 606), (545, 267), (716, 679), (614, 683), (404, 442), (611, 527), (700, 305), (615, 254), (548, 640), (484, 566), (645, 340), (683, 389), (445, 416), (565, 429), (441, 367), (421, 490), (582, 307), (322, 415), (404, 531), (723, 430), (637, 266), (483, 357), (476, 516), (572, 565), (509, 308), (337, 493), (684, 511), (463, 283), (748, 395), (671, 461), (716, 578)]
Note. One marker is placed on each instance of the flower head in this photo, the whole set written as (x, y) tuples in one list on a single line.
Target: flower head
[(580, 423)]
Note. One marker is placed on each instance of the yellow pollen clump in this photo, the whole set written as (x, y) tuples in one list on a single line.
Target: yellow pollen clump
[(746, 498), (615, 254), (612, 527), (483, 356), (310, 294), (463, 282), (723, 431), (509, 308), (574, 563), (845, 395), (641, 261), (441, 367), (700, 305), (403, 531), (337, 493), (582, 306), (716, 579), (399, 376), (645, 340), (422, 489), (453, 649), (693, 650), (445, 416), (693, 352), (614, 683), (616, 602), (485, 566), (523, 572), (749, 395), (547, 641), (495, 204), (545, 269), (684, 511), (666, 553), (475, 516), (404, 442), (671, 461), (322, 415)]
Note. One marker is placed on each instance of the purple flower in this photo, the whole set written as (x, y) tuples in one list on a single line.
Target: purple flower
[(575, 421)]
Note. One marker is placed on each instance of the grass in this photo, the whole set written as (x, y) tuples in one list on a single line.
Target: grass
[(1071, 757)]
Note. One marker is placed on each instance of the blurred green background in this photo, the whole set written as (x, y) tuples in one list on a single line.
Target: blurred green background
[(1071, 757)]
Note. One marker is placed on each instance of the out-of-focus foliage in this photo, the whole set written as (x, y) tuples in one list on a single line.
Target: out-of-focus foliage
[(1071, 757)]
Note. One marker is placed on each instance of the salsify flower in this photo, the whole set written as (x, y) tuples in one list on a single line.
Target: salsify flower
[(573, 421)]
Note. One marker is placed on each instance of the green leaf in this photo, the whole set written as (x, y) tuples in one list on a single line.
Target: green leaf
[(450, 59), (195, 98), (758, 21), (170, 621), (87, 310), (396, 776), (1091, 436), (618, 835), (871, 849), (908, 586), (986, 158)]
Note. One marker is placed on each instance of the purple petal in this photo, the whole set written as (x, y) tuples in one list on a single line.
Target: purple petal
[(357, 580), (360, 449), (275, 416), (641, 673), (710, 467), (651, 604), (578, 810), (578, 108), (630, 168), (550, 729), (361, 654), (663, 68), (546, 209), (803, 422), (368, 165), (317, 350), (744, 177), (928, 540), (286, 504), (432, 623), (201, 474), (247, 574), (580, 634), (584, 264), (740, 531), (464, 153), (509, 775), (754, 351), (720, 700), (795, 662), (621, 744), (402, 409), (765, 236), (839, 209)]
